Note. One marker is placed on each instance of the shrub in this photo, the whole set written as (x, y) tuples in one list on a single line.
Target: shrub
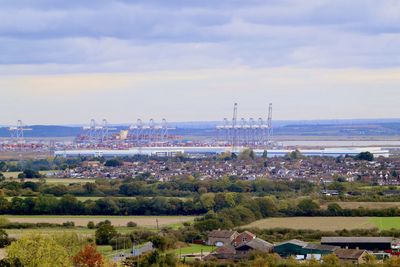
[(131, 224), (91, 225)]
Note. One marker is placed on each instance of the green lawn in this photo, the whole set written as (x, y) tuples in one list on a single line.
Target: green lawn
[(193, 248), (386, 223)]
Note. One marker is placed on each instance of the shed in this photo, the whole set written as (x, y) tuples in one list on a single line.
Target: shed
[(368, 243), (291, 247)]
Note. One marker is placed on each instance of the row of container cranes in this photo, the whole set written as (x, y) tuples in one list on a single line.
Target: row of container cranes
[(246, 132), (138, 134), (254, 133)]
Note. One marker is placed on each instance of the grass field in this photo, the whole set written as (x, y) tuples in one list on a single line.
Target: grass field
[(193, 249), (328, 223), (143, 221), (386, 223), (83, 231), (366, 205), (64, 181)]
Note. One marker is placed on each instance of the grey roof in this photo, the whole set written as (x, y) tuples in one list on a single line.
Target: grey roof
[(293, 241), (321, 247), (257, 244), (349, 253), (225, 250), (221, 234), (355, 239)]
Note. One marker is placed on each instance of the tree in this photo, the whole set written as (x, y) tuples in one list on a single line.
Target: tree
[(365, 156), (113, 163), (208, 200), (370, 259), (265, 154), (91, 225), (334, 209), (308, 206), (104, 233), (88, 257), (247, 154), (28, 173), (330, 260), (38, 250)]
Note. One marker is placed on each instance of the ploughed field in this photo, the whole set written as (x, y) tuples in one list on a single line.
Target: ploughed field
[(328, 223), (142, 221)]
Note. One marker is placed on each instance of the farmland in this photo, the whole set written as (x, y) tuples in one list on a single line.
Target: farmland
[(328, 223), (366, 205), (144, 221)]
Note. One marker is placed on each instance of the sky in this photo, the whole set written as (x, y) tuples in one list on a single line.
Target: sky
[(65, 62)]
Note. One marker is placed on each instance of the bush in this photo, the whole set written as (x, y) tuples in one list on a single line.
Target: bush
[(131, 224), (91, 225), (68, 224)]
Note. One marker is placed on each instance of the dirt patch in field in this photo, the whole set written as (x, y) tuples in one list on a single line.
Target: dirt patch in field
[(315, 223), (147, 221)]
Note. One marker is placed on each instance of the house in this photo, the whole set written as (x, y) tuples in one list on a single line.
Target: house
[(255, 244), (367, 243), (291, 247), (240, 245), (244, 237), (225, 252), (351, 256), (220, 238)]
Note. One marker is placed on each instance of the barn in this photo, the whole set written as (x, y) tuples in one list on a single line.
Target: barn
[(367, 243)]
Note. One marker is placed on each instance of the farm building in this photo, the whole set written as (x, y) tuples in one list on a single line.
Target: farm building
[(291, 247), (220, 238), (256, 244), (239, 246), (244, 237), (298, 247), (367, 243), (351, 256)]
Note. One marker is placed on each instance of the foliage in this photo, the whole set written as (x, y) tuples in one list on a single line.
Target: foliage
[(88, 257), (38, 250), (104, 233), (91, 225), (113, 163), (131, 224), (365, 156), (4, 239)]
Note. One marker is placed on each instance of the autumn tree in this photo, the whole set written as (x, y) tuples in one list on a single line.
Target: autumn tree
[(88, 257)]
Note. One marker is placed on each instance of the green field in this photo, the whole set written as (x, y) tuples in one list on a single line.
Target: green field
[(386, 223), (142, 221), (193, 249), (328, 223), (16, 233)]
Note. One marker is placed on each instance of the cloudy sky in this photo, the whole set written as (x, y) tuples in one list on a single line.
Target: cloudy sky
[(64, 61)]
